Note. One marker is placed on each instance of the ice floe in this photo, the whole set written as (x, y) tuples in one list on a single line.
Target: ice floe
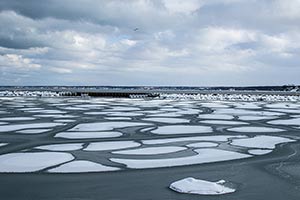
[(203, 156), (80, 166), (215, 138), (151, 150), (259, 152), (61, 147), (254, 117), (15, 127), (233, 111), (117, 118), (33, 131), (223, 122), (31, 162), (181, 129), (294, 121), (105, 126), (215, 116), (255, 129), (16, 118), (167, 120), (202, 187), (103, 146), (83, 135), (3, 144), (261, 141), (202, 144)]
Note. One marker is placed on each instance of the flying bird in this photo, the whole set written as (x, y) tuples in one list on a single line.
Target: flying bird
[(136, 29)]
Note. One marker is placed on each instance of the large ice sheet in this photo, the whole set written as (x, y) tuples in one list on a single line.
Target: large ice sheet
[(103, 146), (31, 162), (261, 141), (82, 135), (255, 129), (181, 129), (167, 120), (254, 117), (15, 127), (105, 126), (203, 156), (203, 144), (78, 166), (61, 147), (151, 150), (202, 187), (232, 111)]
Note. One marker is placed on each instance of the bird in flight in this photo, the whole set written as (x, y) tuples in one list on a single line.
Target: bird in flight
[(136, 29)]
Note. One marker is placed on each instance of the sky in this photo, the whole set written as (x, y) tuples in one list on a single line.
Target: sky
[(150, 42)]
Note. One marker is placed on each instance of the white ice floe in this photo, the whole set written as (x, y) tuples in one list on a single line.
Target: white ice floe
[(55, 116), (123, 108), (292, 111), (246, 105), (73, 108), (232, 111), (283, 105), (259, 152), (16, 118), (117, 118), (105, 126), (61, 147), (254, 117), (208, 155), (214, 138), (151, 150), (171, 114), (3, 144), (83, 135), (196, 186), (167, 120), (261, 141), (255, 129), (215, 116), (294, 121), (203, 144), (64, 120), (181, 129), (103, 146), (190, 111), (31, 162), (3, 123), (33, 131), (30, 109), (80, 166), (214, 105), (15, 127), (223, 122), (48, 111)]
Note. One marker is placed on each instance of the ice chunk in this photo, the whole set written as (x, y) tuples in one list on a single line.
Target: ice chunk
[(203, 144), (215, 116), (181, 129), (82, 135), (103, 146), (15, 127), (31, 162), (105, 126), (261, 141), (208, 155), (294, 121), (255, 129), (166, 120), (253, 117), (196, 186), (259, 151), (16, 118), (151, 150), (33, 131), (78, 166), (223, 122), (61, 147)]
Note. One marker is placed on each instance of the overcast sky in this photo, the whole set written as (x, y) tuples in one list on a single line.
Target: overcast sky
[(177, 42)]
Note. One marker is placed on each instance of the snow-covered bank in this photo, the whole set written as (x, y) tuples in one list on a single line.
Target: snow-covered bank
[(32, 94), (231, 97)]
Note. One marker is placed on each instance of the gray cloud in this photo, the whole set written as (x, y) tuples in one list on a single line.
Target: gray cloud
[(195, 42)]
